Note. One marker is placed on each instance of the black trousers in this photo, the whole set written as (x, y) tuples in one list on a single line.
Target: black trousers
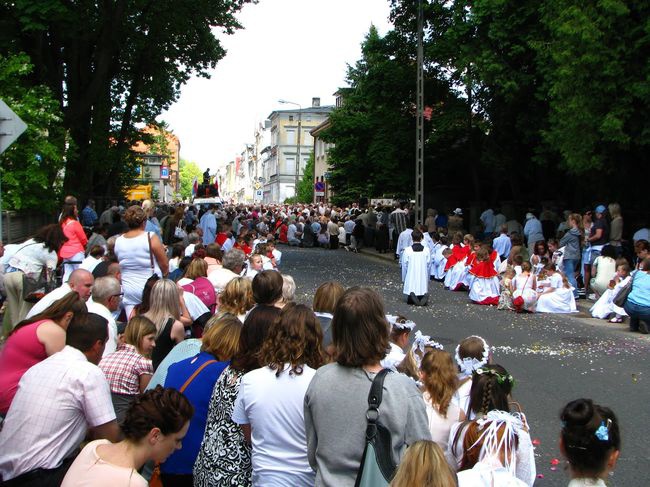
[(41, 477)]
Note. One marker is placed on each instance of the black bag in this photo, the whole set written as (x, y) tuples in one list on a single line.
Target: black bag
[(35, 289), (377, 467), (622, 295)]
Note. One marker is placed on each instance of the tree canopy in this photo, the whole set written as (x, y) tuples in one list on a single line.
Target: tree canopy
[(111, 66)]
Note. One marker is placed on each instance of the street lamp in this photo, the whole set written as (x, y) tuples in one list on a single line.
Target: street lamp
[(286, 102)]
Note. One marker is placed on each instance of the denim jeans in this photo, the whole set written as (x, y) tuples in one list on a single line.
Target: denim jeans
[(569, 269), (636, 313)]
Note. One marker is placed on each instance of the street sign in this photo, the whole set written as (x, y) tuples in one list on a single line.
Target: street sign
[(319, 186), (326, 175), (11, 126), (164, 172)]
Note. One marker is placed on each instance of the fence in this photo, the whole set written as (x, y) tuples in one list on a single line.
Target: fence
[(19, 226)]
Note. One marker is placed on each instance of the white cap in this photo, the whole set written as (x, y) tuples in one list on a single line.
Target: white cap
[(458, 211), (529, 216)]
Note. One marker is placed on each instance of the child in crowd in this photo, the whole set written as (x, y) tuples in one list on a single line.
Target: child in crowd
[(524, 285), (399, 339), (591, 442), (439, 383), (410, 366), (605, 307), (424, 464), (484, 283), (441, 258), (128, 370), (517, 261), (556, 299), (255, 265), (415, 262), (472, 353), (505, 298)]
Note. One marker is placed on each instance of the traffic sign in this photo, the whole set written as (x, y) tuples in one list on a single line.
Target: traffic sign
[(11, 126), (319, 186)]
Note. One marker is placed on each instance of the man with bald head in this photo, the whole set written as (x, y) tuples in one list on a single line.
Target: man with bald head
[(81, 281), (106, 300)]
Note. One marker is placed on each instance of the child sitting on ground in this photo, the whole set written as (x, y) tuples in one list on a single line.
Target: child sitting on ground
[(605, 307), (484, 283), (505, 299)]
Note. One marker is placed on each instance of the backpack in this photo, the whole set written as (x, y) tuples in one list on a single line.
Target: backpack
[(202, 288)]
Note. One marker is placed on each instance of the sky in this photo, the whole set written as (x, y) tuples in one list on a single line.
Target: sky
[(288, 49)]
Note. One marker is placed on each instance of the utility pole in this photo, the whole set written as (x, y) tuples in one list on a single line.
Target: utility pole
[(419, 130)]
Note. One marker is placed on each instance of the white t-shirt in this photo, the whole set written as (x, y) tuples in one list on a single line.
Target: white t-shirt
[(274, 407)]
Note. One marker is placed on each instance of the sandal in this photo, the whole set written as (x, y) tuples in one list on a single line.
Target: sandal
[(616, 319)]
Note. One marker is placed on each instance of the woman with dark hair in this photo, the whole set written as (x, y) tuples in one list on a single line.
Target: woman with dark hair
[(154, 427), (29, 258), (324, 304), (491, 392), (540, 251), (33, 340), (72, 252), (225, 457), (336, 441), (269, 405), (140, 255), (590, 440), (267, 288)]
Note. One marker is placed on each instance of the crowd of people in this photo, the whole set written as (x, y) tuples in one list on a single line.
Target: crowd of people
[(184, 360)]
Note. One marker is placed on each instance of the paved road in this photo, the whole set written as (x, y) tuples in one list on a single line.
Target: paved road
[(554, 358)]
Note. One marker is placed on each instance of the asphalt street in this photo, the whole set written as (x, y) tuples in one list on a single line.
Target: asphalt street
[(553, 358)]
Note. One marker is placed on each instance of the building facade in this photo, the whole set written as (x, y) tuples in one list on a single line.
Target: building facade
[(291, 144), (158, 172), (322, 189)]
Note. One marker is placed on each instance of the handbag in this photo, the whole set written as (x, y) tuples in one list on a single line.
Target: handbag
[(621, 297), (35, 288), (377, 467), (179, 233)]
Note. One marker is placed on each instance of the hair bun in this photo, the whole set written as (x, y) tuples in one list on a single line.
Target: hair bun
[(579, 413)]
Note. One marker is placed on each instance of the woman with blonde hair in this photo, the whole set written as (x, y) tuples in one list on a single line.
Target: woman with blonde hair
[(195, 377), (324, 304), (423, 465), (165, 312), (440, 381), (197, 268), (237, 298), (128, 370)]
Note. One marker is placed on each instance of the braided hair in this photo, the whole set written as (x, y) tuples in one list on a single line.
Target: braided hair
[(491, 386)]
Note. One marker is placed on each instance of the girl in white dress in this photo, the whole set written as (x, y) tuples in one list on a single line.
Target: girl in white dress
[(524, 287), (472, 353), (399, 338), (591, 442), (490, 447), (439, 380), (557, 297), (605, 307), (491, 392)]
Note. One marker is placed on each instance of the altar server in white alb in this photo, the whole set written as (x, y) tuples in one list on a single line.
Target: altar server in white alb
[(415, 271)]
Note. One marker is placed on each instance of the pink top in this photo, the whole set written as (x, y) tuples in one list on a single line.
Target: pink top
[(77, 239), (22, 350)]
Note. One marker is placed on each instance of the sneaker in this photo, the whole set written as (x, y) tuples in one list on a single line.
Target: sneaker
[(592, 297)]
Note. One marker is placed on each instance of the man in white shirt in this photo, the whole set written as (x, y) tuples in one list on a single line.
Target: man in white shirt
[(57, 401), (232, 264), (107, 298), (81, 281), (502, 243)]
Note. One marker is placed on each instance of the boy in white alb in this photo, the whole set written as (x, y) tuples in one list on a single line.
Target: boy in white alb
[(415, 271)]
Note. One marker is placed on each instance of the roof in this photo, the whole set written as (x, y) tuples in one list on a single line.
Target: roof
[(320, 127), (322, 109)]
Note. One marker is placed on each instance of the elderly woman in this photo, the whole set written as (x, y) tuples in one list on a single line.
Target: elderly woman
[(336, 441), (140, 255), (637, 305)]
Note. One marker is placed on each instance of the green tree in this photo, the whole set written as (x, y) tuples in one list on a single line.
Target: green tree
[(112, 66), (31, 166), (187, 172), (305, 191)]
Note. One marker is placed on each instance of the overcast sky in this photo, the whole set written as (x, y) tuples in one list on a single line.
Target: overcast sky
[(288, 49)]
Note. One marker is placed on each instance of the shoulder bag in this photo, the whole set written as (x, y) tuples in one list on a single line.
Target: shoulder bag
[(377, 467), (35, 288), (621, 297)]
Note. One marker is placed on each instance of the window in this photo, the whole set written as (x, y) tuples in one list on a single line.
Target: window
[(291, 137), (291, 118), (290, 165)]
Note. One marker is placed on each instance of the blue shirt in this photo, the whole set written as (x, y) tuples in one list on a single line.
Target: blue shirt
[(152, 227), (208, 224), (88, 217), (198, 393), (640, 293)]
